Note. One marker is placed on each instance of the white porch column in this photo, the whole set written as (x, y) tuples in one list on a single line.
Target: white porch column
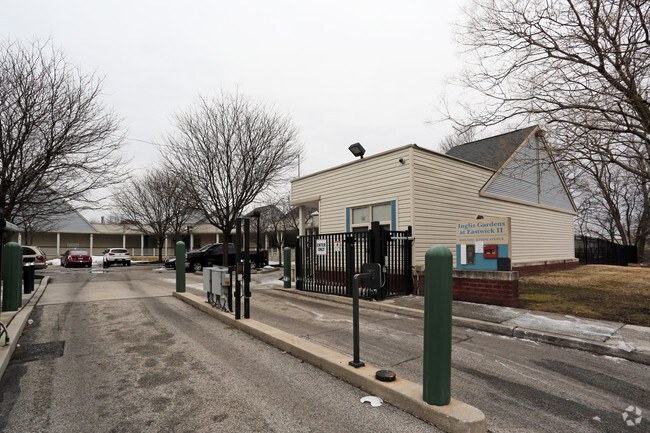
[(217, 238), (191, 241), (301, 220), (266, 242), (20, 238), (142, 245), (91, 244), (166, 253), (124, 241), (58, 244)]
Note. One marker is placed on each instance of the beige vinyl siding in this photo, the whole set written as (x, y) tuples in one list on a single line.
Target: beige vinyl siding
[(372, 180), (524, 180), (446, 190)]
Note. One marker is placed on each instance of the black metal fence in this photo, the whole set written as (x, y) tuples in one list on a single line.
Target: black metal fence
[(600, 251), (321, 262)]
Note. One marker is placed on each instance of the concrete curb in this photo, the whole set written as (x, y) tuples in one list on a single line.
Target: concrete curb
[(17, 325), (457, 417), (642, 357)]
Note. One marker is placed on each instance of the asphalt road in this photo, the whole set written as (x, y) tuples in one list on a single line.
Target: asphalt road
[(114, 352), (520, 385), (135, 359)]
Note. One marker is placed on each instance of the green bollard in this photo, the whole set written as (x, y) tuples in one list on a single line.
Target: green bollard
[(180, 266), (437, 326), (12, 269), (287, 267)]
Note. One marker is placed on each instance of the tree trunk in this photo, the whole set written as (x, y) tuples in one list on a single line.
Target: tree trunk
[(224, 256), (161, 245), (640, 250)]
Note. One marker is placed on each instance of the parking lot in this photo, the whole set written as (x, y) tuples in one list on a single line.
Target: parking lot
[(127, 315)]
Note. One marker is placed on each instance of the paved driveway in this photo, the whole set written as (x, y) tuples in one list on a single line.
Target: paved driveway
[(114, 352)]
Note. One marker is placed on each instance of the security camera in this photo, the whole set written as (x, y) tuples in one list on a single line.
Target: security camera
[(401, 160)]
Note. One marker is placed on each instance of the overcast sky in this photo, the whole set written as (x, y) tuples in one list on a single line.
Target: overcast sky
[(345, 71)]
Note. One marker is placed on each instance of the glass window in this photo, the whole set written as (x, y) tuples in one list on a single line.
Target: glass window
[(360, 229), (361, 215), (381, 212)]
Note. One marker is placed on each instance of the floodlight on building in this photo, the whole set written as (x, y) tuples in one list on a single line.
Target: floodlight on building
[(357, 150)]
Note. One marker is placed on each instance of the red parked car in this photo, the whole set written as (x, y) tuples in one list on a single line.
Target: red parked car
[(76, 258)]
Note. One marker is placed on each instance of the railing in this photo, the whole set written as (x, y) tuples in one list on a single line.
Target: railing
[(600, 251), (321, 263)]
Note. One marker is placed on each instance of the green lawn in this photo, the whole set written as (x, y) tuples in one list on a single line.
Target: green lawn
[(616, 293)]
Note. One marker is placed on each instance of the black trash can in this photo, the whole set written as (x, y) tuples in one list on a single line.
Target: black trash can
[(28, 277)]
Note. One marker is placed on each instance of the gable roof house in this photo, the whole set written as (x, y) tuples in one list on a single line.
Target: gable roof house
[(510, 175)]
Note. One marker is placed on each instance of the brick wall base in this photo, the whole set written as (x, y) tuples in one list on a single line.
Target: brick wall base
[(491, 292), (537, 268), (484, 287), (496, 287)]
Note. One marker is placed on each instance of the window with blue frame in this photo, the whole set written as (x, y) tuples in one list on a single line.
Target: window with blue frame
[(359, 218)]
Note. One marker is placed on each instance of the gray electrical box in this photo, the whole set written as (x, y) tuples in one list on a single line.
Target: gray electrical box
[(216, 280)]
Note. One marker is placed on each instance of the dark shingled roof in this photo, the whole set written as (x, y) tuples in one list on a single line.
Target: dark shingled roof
[(491, 152)]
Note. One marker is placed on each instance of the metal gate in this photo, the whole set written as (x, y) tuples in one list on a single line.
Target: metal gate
[(321, 262)]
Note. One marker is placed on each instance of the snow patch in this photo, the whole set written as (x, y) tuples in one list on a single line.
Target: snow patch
[(577, 327)]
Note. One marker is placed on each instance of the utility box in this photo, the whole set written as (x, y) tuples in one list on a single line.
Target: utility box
[(216, 280), (491, 252)]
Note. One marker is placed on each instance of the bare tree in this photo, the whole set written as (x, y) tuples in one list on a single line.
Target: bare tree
[(458, 137), (156, 204), (278, 218), (228, 150), (58, 141), (581, 68), (581, 64), (613, 203)]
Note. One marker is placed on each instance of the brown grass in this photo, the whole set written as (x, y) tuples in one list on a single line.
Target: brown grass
[(617, 293)]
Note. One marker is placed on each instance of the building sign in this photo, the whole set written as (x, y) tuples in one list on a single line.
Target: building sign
[(337, 246), (321, 247), (483, 244), (484, 231)]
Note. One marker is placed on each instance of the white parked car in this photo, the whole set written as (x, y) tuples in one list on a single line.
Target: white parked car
[(114, 256)]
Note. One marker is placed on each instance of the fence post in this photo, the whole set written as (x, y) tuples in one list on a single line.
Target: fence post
[(299, 274), (408, 260), (180, 266), (349, 264), (287, 267), (237, 268), (437, 326), (247, 269)]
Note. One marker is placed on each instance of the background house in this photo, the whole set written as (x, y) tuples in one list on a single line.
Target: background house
[(509, 175), (72, 230)]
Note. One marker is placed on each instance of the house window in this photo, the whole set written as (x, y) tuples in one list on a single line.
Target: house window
[(363, 216)]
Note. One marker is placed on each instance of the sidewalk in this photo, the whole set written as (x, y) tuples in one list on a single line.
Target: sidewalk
[(15, 322), (598, 336)]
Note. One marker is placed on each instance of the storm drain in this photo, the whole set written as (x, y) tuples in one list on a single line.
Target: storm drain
[(38, 351)]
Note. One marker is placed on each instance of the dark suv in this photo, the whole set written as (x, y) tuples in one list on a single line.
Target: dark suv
[(212, 254)]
